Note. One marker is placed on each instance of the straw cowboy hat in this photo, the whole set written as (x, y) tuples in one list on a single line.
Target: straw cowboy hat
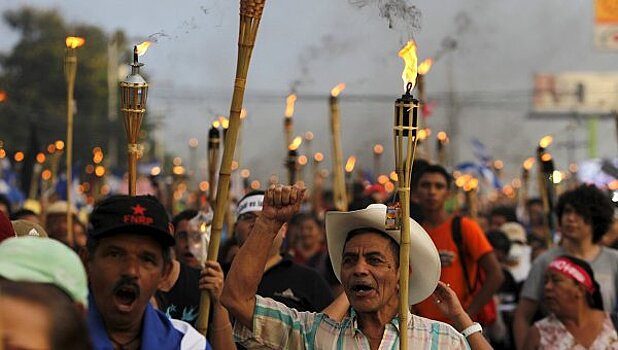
[(424, 258)]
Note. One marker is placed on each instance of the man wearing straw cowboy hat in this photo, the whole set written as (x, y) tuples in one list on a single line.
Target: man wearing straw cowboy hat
[(365, 257)]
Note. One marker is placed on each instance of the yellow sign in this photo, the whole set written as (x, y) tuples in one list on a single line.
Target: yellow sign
[(606, 11)]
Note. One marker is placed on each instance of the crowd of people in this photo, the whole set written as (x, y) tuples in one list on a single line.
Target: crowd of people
[(294, 273)]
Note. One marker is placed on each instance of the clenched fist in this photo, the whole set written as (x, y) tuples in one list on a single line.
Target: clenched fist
[(282, 202)]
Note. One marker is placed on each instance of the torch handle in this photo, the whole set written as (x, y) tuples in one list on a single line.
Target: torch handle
[(250, 15), (70, 66), (132, 167)]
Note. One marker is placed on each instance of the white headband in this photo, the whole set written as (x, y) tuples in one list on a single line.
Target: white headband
[(250, 204)]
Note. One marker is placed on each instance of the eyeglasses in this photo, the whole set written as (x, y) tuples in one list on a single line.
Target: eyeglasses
[(247, 217)]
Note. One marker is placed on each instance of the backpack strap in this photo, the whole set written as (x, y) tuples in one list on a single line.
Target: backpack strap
[(457, 238)]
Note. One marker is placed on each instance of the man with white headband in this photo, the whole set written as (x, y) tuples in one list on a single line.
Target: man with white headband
[(292, 284)]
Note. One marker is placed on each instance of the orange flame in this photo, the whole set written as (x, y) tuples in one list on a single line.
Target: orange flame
[(337, 89), (425, 66), (225, 123), (349, 165), (528, 163), (546, 157), (318, 157), (243, 113), (442, 136), (289, 105), (74, 42), (408, 54), (378, 149), (546, 141), (143, 47), (295, 143)]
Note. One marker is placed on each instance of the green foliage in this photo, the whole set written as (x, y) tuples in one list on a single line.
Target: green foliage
[(32, 76)]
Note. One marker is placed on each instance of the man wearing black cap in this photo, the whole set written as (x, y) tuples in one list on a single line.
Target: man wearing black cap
[(128, 256)]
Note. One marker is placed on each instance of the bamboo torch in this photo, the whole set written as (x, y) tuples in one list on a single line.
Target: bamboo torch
[(545, 172), (133, 95), (442, 141), (214, 141), (70, 71), (525, 176), (250, 16), (288, 123), (471, 192), (405, 133), (339, 192), (423, 69), (349, 178), (292, 158), (378, 149)]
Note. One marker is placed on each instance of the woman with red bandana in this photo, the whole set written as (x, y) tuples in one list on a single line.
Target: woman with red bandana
[(577, 319)]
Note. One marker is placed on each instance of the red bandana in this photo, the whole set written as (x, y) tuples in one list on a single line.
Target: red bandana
[(574, 271)]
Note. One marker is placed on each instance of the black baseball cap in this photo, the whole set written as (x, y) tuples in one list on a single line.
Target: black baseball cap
[(126, 214)]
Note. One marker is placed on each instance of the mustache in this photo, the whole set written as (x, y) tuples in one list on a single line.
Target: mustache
[(128, 283)]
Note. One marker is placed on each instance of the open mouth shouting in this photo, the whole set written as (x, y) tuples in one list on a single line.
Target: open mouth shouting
[(125, 296), (361, 289)]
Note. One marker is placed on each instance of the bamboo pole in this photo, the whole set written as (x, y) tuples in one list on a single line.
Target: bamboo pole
[(405, 133), (250, 15), (70, 72), (339, 189)]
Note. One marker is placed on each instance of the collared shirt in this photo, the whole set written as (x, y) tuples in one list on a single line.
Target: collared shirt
[(276, 326), (158, 331)]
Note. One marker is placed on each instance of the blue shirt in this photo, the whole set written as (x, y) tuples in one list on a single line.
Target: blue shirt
[(158, 331)]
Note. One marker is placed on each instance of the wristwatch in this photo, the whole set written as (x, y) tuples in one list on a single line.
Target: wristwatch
[(475, 327)]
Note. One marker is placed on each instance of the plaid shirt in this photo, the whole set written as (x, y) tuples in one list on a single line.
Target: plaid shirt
[(276, 326)]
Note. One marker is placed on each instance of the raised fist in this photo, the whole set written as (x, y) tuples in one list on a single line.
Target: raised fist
[(282, 202)]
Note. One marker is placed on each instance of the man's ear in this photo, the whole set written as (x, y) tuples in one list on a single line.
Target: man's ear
[(171, 229)]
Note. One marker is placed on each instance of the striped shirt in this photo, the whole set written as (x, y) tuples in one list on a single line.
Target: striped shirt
[(275, 326)]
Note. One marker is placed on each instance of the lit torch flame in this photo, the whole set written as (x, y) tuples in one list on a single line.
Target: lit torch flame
[(442, 137), (318, 157), (408, 54), (425, 66), (295, 143), (289, 106), (546, 141), (74, 42), (528, 163), (143, 47), (349, 165), (216, 124), (337, 89), (225, 123)]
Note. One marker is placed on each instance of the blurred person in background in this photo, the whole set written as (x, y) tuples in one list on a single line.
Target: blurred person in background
[(500, 215), (584, 214), (518, 259), (56, 225), (310, 249), (26, 214), (577, 319)]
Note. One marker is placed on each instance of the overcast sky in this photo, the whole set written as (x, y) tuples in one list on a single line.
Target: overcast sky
[(313, 45)]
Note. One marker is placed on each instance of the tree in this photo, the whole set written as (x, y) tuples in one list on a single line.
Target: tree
[(32, 76)]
